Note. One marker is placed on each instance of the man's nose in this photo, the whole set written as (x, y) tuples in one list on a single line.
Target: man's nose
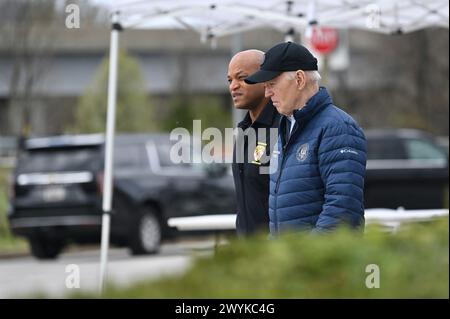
[(234, 85)]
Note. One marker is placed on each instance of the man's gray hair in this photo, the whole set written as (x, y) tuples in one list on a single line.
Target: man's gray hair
[(312, 76)]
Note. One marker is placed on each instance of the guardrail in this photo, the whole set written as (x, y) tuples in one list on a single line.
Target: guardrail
[(391, 218)]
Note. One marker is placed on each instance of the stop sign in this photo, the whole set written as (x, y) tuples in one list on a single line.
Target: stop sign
[(324, 39)]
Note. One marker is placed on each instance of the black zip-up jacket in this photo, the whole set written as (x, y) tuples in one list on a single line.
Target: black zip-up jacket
[(252, 187)]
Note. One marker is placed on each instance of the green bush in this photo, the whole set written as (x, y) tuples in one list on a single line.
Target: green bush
[(4, 230), (9, 244), (413, 263)]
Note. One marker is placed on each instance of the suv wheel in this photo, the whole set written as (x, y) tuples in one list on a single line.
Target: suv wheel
[(146, 233), (42, 248)]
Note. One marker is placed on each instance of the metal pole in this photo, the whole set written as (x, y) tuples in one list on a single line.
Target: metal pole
[(289, 35), (109, 147)]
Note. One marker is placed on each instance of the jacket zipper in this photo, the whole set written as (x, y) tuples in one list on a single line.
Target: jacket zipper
[(285, 147), (277, 185)]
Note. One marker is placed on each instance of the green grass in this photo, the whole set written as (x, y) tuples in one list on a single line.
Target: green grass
[(9, 244), (13, 246), (413, 263), (4, 230)]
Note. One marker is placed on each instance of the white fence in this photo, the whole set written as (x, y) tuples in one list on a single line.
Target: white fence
[(391, 218)]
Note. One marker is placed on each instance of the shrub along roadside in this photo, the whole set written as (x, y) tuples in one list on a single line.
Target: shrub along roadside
[(4, 230), (9, 244), (413, 263)]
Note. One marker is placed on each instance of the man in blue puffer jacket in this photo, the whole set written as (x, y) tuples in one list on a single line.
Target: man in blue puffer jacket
[(318, 180)]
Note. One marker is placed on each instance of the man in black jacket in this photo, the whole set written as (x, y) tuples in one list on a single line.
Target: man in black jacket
[(253, 143)]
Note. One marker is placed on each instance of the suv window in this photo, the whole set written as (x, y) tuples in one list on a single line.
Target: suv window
[(421, 149), (385, 148), (130, 156), (165, 161), (59, 159)]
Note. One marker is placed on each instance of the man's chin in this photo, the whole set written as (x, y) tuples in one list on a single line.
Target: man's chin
[(240, 107), (278, 109), (283, 112)]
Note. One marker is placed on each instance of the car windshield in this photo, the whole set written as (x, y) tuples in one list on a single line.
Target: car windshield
[(165, 160), (422, 149), (387, 148), (59, 159), (130, 156)]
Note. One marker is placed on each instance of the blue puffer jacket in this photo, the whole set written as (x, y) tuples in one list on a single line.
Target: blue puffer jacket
[(318, 177)]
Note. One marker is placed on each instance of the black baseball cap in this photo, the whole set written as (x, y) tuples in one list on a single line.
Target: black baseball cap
[(286, 56)]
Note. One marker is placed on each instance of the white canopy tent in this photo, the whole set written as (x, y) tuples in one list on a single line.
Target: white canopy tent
[(214, 19), (225, 17)]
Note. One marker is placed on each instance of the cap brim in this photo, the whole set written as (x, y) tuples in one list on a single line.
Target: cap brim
[(262, 76)]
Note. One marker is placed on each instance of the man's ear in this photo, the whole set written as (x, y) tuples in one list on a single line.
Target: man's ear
[(300, 77)]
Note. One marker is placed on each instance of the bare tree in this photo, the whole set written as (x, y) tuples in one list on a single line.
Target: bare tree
[(28, 31)]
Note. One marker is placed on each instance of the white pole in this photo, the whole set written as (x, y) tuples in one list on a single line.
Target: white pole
[(289, 35), (109, 147)]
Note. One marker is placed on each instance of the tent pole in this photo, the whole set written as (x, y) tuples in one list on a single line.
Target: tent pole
[(109, 147), (290, 35)]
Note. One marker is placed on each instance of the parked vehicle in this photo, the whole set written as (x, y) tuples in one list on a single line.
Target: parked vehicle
[(58, 184), (405, 168), (57, 189)]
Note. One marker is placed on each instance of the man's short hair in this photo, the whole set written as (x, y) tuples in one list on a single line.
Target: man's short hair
[(313, 76)]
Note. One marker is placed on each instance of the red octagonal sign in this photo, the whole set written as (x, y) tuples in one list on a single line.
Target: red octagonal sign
[(324, 39)]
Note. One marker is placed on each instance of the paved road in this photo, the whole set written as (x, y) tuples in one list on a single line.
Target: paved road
[(21, 277)]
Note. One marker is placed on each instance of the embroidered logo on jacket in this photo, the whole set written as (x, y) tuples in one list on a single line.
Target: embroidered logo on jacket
[(302, 152), (259, 152), (347, 150)]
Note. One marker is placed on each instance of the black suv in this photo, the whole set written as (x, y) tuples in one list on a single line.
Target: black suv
[(57, 192), (405, 168), (57, 188)]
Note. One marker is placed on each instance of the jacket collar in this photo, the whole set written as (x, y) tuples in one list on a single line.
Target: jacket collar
[(316, 104), (265, 118)]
